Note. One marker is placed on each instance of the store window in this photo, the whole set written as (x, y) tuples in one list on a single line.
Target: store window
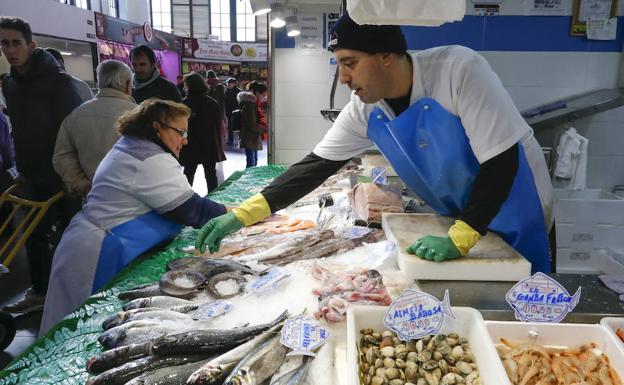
[(161, 15), (113, 8), (220, 19), (245, 22), (84, 4)]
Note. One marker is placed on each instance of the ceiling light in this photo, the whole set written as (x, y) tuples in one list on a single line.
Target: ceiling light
[(65, 53), (260, 7), (292, 26), (277, 16)]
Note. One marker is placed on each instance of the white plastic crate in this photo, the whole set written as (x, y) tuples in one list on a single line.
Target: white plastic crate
[(561, 335), (468, 323)]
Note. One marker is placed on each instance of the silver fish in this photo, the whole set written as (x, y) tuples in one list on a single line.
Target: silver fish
[(126, 372), (115, 357), (295, 376), (218, 368), (154, 314), (158, 301), (209, 266), (170, 375), (259, 365), (208, 340), (141, 331)]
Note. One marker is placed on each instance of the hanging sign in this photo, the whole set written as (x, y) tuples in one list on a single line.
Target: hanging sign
[(541, 299), (232, 51), (416, 314), (311, 35), (303, 334)]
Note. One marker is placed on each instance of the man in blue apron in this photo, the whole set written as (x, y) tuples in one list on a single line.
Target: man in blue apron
[(443, 120)]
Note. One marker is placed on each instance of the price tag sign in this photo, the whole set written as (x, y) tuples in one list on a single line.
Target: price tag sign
[(212, 310), (303, 334), (270, 281), (379, 175), (416, 314), (541, 299)]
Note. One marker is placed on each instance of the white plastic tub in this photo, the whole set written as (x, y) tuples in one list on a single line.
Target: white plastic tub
[(468, 324), (561, 335), (612, 324)]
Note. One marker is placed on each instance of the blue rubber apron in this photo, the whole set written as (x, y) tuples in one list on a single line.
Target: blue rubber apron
[(429, 149), (126, 241)]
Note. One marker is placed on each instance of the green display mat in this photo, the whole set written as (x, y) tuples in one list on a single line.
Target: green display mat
[(59, 357)]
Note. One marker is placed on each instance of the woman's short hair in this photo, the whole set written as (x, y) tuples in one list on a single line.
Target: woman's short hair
[(138, 121), (195, 83)]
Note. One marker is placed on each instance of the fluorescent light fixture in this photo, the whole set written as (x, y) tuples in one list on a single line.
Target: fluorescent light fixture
[(277, 16), (260, 7), (292, 26), (66, 53)]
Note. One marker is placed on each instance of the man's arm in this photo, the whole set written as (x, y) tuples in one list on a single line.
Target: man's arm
[(66, 163)]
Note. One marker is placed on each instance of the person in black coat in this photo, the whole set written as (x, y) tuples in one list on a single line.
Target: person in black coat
[(204, 146), (39, 95), (231, 104), (147, 81)]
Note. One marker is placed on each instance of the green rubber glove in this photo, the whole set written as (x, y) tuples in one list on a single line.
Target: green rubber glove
[(434, 248), (215, 230)]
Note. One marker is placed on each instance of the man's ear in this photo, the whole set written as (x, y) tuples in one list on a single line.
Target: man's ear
[(386, 59), (32, 45)]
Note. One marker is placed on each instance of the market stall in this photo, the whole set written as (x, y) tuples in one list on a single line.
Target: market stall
[(286, 274)]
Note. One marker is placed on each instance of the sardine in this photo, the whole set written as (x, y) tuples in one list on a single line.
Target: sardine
[(171, 375), (208, 340), (115, 357), (153, 314), (259, 365), (158, 301), (126, 372), (218, 368), (295, 376)]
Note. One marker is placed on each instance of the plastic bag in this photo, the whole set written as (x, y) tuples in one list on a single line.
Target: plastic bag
[(406, 12)]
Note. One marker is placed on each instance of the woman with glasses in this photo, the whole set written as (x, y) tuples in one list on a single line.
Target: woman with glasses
[(205, 145), (140, 199)]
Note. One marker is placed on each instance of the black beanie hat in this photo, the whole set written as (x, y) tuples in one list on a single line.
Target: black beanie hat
[(346, 33)]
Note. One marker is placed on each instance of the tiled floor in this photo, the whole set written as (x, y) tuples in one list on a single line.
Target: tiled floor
[(17, 281)]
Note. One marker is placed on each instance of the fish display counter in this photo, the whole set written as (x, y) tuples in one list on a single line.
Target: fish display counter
[(300, 298)]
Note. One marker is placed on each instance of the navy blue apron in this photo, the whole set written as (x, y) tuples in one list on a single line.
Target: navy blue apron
[(429, 149), (128, 240)]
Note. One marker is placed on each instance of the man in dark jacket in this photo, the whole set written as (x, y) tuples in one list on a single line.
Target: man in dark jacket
[(147, 82), (231, 104), (39, 96)]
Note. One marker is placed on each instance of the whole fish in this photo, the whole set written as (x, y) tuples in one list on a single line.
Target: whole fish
[(208, 340), (295, 376), (170, 375), (209, 266), (141, 331), (218, 368), (153, 314), (158, 301), (144, 291), (126, 372), (259, 365), (115, 357)]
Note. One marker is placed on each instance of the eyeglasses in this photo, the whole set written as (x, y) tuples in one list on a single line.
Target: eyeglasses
[(181, 132)]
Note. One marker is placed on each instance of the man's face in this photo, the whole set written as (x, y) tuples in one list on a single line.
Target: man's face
[(231, 85), (141, 66), (15, 47), (362, 72)]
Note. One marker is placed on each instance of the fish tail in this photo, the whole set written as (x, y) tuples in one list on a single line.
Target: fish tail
[(575, 299), (281, 318), (446, 305)]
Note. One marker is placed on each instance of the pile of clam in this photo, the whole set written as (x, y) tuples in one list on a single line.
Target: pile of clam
[(432, 360)]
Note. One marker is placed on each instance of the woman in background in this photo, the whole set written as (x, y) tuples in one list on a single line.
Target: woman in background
[(204, 146), (252, 121)]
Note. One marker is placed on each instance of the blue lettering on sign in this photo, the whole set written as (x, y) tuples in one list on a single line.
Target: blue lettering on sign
[(416, 313), (307, 338), (560, 298), (530, 298)]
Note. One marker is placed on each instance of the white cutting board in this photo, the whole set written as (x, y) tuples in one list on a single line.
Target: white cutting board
[(491, 259)]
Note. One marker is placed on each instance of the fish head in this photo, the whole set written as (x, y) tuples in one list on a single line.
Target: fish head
[(110, 338), (207, 374), (137, 304)]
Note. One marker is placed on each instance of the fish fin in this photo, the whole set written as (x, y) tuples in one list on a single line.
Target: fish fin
[(575, 299), (446, 305)]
